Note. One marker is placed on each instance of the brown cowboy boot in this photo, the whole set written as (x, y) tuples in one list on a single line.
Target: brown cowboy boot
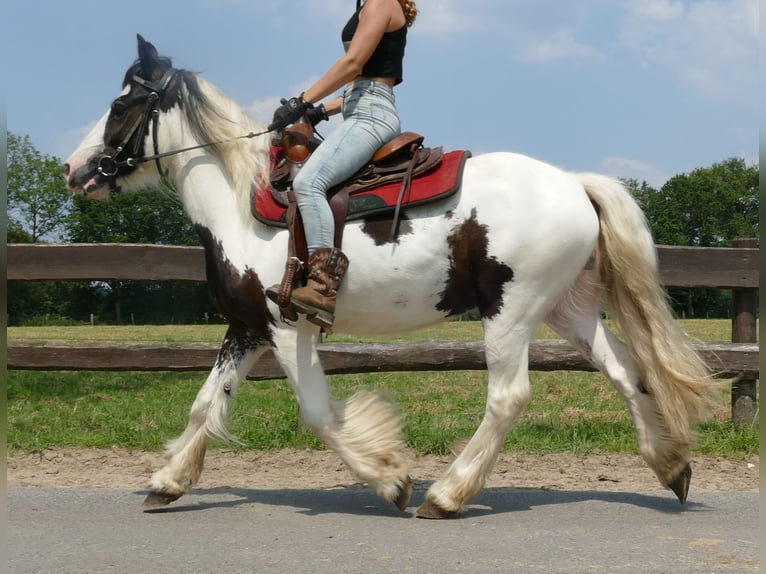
[(327, 266)]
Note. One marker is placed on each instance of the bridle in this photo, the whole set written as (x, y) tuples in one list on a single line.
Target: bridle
[(109, 165)]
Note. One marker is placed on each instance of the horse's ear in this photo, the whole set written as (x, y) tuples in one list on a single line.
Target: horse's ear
[(147, 55)]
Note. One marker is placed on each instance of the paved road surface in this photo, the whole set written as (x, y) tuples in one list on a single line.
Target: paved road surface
[(349, 530)]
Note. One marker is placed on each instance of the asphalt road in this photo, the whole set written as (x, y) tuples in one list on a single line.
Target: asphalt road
[(349, 530)]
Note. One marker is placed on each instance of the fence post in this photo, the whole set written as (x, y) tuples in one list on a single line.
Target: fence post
[(744, 304)]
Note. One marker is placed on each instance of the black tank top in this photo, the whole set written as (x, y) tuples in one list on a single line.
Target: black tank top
[(387, 59)]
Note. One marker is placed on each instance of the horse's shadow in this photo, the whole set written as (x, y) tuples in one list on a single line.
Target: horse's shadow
[(359, 500)]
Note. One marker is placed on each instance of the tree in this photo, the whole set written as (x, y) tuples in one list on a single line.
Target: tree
[(705, 208), (146, 216), (37, 207), (40, 209), (38, 202)]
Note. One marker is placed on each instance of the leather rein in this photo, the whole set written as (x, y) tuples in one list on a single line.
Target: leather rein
[(109, 165)]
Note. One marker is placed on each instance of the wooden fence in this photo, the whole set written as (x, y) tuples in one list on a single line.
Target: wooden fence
[(726, 268)]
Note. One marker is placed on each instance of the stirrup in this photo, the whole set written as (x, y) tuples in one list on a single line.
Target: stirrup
[(320, 317)]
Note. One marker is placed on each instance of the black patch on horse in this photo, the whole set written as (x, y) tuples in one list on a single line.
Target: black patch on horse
[(238, 297), (475, 280)]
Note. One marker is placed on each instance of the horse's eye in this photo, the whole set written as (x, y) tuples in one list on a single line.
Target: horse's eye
[(118, 109)]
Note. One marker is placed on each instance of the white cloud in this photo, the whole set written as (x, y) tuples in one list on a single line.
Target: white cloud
[(329, 9), (263, 110), (532, 31), (66, 143), (711, 45), (634, 169), (276, 14), (447, 16), (658, 10), (560, 45)]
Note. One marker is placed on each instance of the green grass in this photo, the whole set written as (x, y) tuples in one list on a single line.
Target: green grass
[(129, 333), (569, 412)]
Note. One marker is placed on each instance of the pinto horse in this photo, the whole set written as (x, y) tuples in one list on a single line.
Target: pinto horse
[(522, 241)]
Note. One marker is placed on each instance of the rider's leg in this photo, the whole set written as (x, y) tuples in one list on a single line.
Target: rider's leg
[(370, 120)]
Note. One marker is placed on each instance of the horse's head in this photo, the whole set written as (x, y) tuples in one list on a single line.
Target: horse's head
[(112, 154)]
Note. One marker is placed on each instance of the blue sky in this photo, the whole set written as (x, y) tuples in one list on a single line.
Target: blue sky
[(645, 89)]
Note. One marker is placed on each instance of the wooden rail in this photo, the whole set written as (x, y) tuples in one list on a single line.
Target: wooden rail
[(714, 267), (733, 268), (726, 360)]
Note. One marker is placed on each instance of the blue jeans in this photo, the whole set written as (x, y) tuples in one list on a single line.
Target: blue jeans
[(370, 120)]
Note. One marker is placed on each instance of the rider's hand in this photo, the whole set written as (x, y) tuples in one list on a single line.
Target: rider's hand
[(316, 114), (289, 112)]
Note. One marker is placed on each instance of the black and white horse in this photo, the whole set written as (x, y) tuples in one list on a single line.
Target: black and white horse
[(523, 241)]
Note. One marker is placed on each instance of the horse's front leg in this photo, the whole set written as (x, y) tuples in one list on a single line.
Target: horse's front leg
[(207, 418), (365, 430)]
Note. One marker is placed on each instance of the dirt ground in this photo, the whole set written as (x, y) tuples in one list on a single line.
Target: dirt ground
[(305, 469)]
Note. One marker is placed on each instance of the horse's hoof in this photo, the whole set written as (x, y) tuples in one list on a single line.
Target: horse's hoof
[(405, 492), (429, 510), (681, 484), (159, 499)]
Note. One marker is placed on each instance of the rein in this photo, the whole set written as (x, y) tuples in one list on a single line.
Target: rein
[(109, 167)]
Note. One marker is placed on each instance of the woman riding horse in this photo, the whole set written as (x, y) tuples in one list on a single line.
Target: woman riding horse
[(374, 39), (521, 241)]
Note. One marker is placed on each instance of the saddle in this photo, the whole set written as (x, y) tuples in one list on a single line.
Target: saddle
[(399, 161), (401, 173)]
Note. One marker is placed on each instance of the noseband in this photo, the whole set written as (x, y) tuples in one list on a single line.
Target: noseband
[(109, 165)]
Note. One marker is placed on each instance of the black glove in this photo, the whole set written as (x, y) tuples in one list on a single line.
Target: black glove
[(290, 111), (316, 114)]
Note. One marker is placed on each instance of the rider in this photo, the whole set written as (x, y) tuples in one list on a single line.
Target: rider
[(374, 39)]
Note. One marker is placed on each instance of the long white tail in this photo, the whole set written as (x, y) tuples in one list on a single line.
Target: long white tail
[(671, 370)]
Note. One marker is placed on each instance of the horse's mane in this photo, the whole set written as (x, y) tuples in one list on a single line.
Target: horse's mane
[(214, 117)]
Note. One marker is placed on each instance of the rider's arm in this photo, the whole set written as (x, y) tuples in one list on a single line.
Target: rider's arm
[(333, 106), (374, 20)]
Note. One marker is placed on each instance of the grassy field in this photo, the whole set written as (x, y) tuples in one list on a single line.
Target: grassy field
[(569, 412)]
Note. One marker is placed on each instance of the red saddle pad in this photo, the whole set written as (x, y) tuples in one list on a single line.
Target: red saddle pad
[(442, 181)]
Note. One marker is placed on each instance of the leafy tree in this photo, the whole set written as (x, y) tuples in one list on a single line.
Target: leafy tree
[(40, 209), (37, 207), (146, 216), (705, 208), (17, 234), (38, 202)]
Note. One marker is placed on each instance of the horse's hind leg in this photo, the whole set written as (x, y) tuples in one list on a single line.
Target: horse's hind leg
[(207, 418), (577, 319), (507, 396)]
